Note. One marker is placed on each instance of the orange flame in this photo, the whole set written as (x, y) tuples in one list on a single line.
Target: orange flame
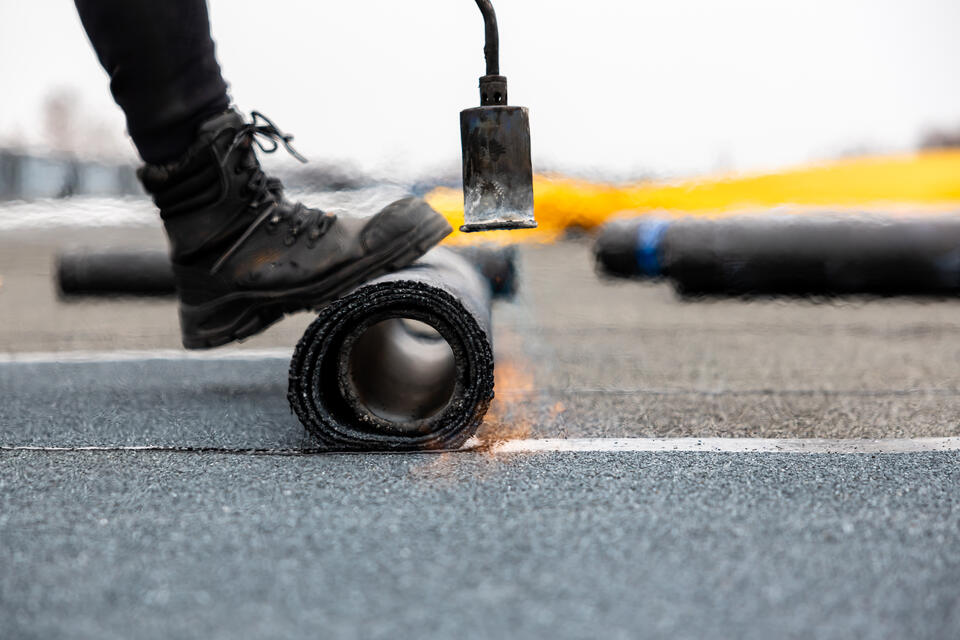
[(511, 414)]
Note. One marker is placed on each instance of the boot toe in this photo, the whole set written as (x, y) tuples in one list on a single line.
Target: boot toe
[(396, 221)]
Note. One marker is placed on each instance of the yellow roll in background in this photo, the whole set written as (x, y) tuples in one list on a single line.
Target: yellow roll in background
[(917, 182)]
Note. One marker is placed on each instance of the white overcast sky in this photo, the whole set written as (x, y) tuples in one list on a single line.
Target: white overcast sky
[(614, 86)]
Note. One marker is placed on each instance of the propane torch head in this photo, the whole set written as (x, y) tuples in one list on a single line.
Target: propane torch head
[(497, 170)]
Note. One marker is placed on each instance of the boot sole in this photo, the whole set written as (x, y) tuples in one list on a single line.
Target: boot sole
[(245, 315)]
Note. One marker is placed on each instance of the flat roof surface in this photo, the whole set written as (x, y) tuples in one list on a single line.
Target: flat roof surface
[(224, 543)]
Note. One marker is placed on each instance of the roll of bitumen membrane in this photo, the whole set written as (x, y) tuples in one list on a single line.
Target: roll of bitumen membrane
[(790, 255), (147, 272), (402, 363)]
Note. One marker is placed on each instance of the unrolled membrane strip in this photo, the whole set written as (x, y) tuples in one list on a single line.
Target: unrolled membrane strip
[(402, 363)]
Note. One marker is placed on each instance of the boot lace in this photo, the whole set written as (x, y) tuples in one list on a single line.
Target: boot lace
[(267, 130), (261, 131), (265, 190)]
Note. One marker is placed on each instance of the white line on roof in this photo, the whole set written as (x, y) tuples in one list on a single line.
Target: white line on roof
[(55, 357), (598, 445), (730, 445)]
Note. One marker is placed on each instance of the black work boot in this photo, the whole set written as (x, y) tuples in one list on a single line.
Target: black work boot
[(243, 255)]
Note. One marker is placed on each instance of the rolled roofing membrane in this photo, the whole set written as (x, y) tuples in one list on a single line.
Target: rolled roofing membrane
[(140, 271), (403, 363), (878, 255)]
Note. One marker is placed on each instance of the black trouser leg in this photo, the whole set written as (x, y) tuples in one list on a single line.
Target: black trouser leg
[(163, 71)]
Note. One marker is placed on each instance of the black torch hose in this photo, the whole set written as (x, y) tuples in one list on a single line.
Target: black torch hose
[(491, 47)]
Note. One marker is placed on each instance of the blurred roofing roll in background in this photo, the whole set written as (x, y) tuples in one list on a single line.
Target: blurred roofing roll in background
[(139, 271), (820, 255)]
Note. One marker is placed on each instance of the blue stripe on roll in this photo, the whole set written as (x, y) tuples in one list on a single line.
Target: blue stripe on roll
[(649, 233)]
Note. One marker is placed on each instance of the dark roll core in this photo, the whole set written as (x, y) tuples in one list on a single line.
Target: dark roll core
[(400, 371)]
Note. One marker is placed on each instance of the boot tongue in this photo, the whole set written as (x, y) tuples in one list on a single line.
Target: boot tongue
[(229, 119)]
